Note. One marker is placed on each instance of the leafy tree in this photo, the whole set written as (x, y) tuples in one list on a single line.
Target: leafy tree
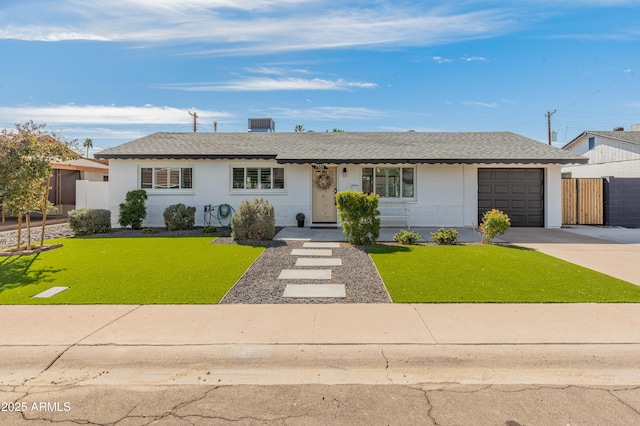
[(88, 143), (335, 130), (26, 157)]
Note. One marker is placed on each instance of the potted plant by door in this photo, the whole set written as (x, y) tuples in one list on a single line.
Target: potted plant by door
[(300, 219)]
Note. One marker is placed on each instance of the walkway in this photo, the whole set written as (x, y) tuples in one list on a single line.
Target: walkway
[(284, 265)]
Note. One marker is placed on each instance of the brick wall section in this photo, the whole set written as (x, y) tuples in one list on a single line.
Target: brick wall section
[(622, 202)]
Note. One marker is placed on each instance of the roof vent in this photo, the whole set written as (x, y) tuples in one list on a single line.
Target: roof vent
[(618, 129), (262, 125)]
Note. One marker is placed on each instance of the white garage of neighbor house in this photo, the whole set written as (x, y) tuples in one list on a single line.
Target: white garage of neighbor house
[(423, 179)]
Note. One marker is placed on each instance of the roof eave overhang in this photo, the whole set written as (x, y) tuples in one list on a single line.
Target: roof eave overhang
[(62, 166), (433, 161), (184, 157)]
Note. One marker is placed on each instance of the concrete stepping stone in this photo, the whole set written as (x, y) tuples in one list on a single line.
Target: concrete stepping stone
[(305, 274), (50, 292), (318, 261), (311, 252), (315, 290), (321, 245)]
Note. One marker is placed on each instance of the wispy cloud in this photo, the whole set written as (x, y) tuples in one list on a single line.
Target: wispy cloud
[(102, 114), (264, 84), (327, 113), (509, 101), (475, 58), (276, 70), (225, 27), (480, 104), (441, 60)]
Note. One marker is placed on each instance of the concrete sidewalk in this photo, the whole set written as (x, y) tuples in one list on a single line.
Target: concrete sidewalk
[(353, 324), (267, 344)]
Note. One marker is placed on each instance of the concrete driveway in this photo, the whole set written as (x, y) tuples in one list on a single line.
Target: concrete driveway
[(612, 251)]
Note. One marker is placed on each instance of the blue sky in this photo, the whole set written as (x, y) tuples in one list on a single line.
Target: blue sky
[(114, 71)]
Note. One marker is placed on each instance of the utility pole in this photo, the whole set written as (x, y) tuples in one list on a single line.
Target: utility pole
[(195, 120), (548, 115)]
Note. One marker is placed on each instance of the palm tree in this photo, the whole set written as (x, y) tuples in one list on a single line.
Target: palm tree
[(299, 128), (88, 143)]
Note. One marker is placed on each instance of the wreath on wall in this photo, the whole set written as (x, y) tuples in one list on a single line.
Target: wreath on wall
[(323, 181)]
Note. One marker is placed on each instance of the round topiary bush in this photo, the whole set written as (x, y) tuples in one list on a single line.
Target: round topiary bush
[(178, 217), (254, 220)]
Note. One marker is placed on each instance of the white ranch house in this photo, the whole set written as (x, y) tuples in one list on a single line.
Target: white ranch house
[(423, 179)]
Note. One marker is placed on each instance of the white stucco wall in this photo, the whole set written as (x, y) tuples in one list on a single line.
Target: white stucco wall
[(211, 186), (92, 195), (553, 196), (445, 195)]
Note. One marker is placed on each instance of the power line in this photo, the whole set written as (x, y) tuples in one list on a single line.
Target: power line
[(595, 92), (620, 80)]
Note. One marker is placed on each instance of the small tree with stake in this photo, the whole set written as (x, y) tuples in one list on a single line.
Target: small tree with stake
[(26, 157)]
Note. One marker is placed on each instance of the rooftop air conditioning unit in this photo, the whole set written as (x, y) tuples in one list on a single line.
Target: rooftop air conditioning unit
[(262, 125)]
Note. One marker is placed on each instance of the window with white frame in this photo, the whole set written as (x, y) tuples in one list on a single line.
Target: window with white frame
[(166, 178), (264, 178), (389, 182)]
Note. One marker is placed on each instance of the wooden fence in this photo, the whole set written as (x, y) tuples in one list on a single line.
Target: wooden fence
[(582, 201)]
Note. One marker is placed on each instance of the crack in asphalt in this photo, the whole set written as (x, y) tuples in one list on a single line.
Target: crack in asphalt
[(429, 406), (177, 410), (611, 392)]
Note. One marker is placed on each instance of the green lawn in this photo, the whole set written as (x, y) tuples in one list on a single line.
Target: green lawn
[(499, 274), (140, 270)]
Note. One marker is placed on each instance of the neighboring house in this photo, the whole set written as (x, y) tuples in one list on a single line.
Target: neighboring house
[(64, 180), (610, 153), (614, 156), (423, 179)]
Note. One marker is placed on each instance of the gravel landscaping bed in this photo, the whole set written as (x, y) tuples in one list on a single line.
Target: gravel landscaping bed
[(9, 238), (260, 284)]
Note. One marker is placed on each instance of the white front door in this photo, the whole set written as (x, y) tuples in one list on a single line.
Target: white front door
[(323, 192)]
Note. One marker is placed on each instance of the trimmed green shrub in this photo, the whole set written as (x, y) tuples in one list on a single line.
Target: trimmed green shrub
[(254, 220), (179, 217), (494, 222), (90, 221), (359, 214), (209, 230), (149, 231), (445, 236), (406, 237), (133, 210)]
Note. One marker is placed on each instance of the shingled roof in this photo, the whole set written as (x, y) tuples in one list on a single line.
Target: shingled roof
[(346, 147), (632, 137)]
